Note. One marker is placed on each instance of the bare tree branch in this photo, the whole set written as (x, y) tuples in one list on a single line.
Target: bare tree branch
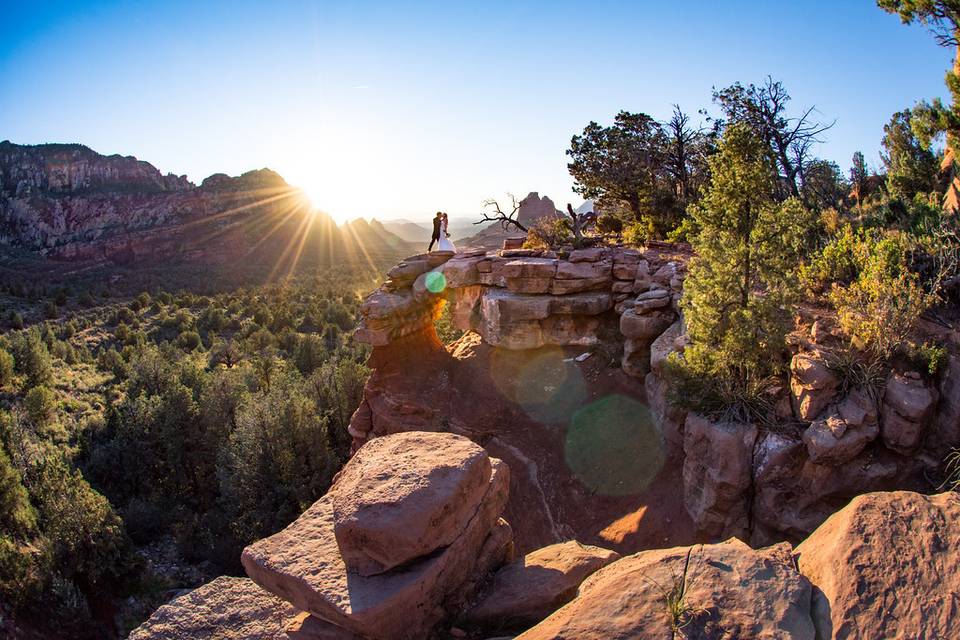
[(495, 214)]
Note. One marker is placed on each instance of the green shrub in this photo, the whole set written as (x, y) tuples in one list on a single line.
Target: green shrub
[(189, 340), (41, 405), (838, 261), (635, 234), (929, 357), (110, 360), (880, 308), (609, 224), (547, 232), (6, 368), (32, 358), (124, 316)]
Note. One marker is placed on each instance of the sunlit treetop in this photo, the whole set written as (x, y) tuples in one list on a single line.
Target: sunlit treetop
[(940, 16)]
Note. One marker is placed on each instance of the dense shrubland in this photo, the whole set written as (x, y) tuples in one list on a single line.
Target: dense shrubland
[(202, 421)]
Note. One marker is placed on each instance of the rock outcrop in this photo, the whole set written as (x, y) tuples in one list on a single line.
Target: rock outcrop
[(886, 566), (717, 469), (527, 299), (730, 591), (907, 407), (336, 562), (526, 591), (225, 608)]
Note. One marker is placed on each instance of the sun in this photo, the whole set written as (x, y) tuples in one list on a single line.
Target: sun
[(318, 199)]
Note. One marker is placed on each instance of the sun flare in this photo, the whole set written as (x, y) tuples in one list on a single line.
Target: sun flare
[(319, 200)]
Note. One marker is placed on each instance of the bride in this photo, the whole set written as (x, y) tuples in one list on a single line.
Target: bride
[(445, 243)]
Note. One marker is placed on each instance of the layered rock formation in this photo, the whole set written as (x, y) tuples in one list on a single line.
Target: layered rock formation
[(835, 438), (525, 299), (66, 201)]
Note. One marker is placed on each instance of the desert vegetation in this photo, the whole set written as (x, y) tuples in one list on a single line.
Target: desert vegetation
[(170, 421)]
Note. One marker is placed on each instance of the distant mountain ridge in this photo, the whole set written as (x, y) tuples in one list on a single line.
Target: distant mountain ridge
[(68, 202)]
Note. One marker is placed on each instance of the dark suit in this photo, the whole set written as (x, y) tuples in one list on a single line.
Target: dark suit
[(436, 234)]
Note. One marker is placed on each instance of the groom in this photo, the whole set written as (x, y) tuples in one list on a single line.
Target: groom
[(436, 230)]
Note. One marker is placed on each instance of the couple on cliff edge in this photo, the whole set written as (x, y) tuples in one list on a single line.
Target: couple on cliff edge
[(440, 234)]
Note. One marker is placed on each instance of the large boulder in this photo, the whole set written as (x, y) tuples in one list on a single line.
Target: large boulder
[(462, 271), (717, 471), (587, 304), (225, 608), (564, 330), (530, 268), (840, 437), (793, 495), (670, 341), (670, 417), (528, 590), (886, 566), (834, 441), (303, 564), (645, 326), (732, 591), (561, 287), (907, 407), (404, 496), (944, 432), (813, 384)]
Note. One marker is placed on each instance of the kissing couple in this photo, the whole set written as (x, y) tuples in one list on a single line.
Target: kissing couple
[(440, 234)]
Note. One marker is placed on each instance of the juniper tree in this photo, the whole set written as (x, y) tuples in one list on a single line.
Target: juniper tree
[(738, 295), (942, 17)]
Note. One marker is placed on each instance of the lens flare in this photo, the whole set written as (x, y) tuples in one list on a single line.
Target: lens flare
[(436, 282), (547, 388), (614, 446)]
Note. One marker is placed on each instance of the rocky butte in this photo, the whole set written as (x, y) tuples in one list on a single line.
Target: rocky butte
[(514, 484)]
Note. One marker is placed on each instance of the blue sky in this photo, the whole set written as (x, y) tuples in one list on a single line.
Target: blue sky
[(397, 109)]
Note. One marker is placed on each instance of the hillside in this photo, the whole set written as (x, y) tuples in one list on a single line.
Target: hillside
[(65, 202)]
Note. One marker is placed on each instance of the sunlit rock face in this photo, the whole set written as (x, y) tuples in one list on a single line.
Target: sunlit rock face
[(730, 591), (400, 535), (526, 299), (885, 566)]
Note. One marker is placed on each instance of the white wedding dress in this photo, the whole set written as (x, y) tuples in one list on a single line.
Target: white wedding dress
[(445, 244)]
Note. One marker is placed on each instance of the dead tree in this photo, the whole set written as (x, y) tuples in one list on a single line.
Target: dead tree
[(578, 222), (506, 220)]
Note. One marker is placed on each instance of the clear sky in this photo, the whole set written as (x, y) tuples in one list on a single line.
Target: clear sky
[(397, 109)]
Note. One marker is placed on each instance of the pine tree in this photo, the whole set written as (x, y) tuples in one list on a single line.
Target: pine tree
[(737, 298)]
